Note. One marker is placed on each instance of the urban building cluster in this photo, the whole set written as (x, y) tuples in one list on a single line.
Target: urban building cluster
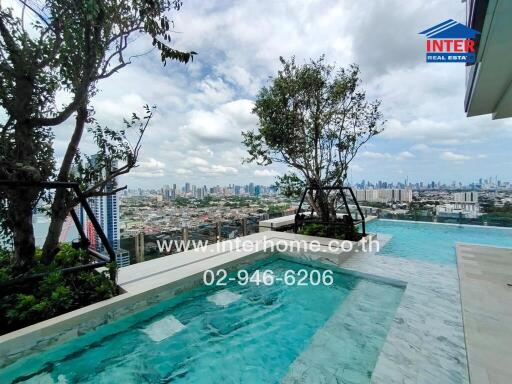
[(151, 212), (464, 204), (168, 192), (491, 182)]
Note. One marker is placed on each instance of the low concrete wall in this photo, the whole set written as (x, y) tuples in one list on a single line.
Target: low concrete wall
[(278, 222)]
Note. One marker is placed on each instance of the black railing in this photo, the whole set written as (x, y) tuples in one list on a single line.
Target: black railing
[(300, 217), (84, 241)]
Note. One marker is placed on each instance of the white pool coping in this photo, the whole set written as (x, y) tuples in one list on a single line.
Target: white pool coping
[(281, 221), (425, 342)]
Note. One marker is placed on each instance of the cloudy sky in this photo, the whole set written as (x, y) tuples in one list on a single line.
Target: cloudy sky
[(203, 106)]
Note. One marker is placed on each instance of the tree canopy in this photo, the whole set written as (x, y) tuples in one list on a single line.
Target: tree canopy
[(70, 47), (314, 118)]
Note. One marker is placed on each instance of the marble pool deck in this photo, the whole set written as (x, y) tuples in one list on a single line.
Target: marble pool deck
[(485, 275), (425, 342)]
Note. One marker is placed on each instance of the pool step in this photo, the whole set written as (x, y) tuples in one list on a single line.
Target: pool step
[(163, 328), (346, 348)]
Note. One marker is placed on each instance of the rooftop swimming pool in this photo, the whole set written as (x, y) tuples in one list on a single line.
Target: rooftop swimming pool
[(435, 243), (253, 333)]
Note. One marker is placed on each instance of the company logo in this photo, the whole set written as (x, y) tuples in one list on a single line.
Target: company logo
[(450, 42)]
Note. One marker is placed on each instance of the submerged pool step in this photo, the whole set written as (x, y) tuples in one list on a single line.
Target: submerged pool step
[(348, 345), (163, 328), (224, 297)]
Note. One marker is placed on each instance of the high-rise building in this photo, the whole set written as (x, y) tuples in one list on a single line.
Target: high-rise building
[(465, 197), (166, 192), (106, 211), (384, 195)]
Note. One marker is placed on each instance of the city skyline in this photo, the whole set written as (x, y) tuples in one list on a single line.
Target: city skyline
[(251, 187)]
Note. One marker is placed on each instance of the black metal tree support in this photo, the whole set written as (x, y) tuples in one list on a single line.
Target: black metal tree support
[(84, 241), (299, 217)]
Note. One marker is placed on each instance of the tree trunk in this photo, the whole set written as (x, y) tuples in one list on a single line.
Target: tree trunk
[(322, 202), (61, 205), (332, 208), (21, 200), (320, 205), (58, 217), (20, 221)]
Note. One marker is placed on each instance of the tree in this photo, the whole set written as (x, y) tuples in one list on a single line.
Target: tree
[(313, 118), (72, 45)]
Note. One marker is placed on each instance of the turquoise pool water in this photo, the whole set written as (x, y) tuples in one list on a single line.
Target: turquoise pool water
[(235, 334), (435, 243)]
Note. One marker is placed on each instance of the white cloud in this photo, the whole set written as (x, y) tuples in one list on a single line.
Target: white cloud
[(444, 132), (266, 173), (420, 148), (387, 156), (356, 168), (147, 175), (183, 171), (450, 156), (151, 164), (224, 124), (198, 161), (233, 155), (201, 150), (150, 168), (405, 155), (239, 76), (376, 155), (121, 108), (212, 91), (218, 169)]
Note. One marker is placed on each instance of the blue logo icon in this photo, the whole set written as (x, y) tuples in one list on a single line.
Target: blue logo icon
[(450, 42)]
